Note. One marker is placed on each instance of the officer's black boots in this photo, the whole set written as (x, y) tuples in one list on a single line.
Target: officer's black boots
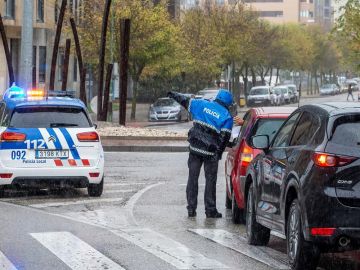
[(214, 215), (191, 213)]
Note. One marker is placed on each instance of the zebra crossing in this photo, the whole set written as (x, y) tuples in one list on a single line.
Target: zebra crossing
[(77, 254)]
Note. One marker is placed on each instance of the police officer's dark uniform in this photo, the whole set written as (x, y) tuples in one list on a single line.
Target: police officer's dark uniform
[(208, 139)]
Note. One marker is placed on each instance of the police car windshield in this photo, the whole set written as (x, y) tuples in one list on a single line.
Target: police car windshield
[(47, 117)]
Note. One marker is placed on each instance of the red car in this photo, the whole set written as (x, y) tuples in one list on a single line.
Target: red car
[(257, 121)]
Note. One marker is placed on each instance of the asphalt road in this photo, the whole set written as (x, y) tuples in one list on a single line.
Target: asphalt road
[(139, 223)]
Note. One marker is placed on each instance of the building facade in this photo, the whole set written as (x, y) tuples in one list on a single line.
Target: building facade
[(45, 14), (279, 11)]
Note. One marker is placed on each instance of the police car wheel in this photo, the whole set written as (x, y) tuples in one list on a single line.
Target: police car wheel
[(96, 190), (2, 191)]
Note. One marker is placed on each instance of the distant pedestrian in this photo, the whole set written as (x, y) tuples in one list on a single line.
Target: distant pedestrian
[(350, 90), (208, 139)]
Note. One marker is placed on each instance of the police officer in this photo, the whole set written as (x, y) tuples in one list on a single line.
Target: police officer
[(208, 139)]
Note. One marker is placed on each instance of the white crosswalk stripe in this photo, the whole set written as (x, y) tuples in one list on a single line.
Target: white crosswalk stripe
[(5, 264), (235, 242), (74, 252), (169, 250)]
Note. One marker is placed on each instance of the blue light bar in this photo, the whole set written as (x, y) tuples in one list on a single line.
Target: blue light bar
[(15, 92)]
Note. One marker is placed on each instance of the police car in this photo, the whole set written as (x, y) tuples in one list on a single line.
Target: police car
[(48, 140)]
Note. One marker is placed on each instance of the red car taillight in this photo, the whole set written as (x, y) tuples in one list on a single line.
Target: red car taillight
[(246, 156), (5, 175), (329, 160), (88, 137), (12, 137), (322, 231)]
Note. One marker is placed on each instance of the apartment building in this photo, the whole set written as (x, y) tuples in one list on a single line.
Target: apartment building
[(45, 14), (279, 11)]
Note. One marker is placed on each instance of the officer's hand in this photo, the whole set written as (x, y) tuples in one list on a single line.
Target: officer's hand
[(170, 94), (238, 121), (217, 156)]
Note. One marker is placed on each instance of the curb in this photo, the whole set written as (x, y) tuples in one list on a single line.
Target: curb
[(142, 138), (138, 148)]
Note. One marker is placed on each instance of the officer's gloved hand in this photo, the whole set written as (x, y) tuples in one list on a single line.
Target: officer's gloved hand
[(217, 157), (170, 94)]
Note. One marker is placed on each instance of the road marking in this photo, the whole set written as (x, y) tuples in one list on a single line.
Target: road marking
[(56, 204), (119, 191), (123, 184), (130, 204), (236, 242), (74, 252), (112, 218), (5, 264), (168, 250)]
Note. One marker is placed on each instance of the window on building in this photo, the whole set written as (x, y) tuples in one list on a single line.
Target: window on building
[(75, 70), (42, 64), (271, 13), (34, 56), (311, 14), (220, 2), (10, 9), (61, 59), (40, 10), (326, 13), (305, 13), (15, 55), (327, 3), (34, 63)]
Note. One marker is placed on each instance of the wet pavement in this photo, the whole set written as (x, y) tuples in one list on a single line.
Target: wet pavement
[(139, 223)]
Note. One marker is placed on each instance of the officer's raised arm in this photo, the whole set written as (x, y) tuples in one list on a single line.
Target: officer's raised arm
[(180, 98)]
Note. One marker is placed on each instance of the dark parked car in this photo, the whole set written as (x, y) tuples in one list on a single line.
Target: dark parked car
[(306, 184)]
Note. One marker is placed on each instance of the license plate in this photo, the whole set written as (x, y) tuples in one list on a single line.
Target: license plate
[(51, 154), (258, 101)]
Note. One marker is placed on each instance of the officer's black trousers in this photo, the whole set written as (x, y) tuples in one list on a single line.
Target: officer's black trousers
[(211, 169)]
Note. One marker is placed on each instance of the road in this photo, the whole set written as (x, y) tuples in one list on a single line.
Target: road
[(140, 219), (140, 222)]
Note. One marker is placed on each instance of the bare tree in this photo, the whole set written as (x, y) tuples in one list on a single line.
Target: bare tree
[(56, 44), (80, 61), (7, 52), (105, 21)]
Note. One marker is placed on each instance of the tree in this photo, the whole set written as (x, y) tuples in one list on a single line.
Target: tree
[(153, 39), (201, 48), (348, 28)]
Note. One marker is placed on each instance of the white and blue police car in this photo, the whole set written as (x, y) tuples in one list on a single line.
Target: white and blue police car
[(48, 140)]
